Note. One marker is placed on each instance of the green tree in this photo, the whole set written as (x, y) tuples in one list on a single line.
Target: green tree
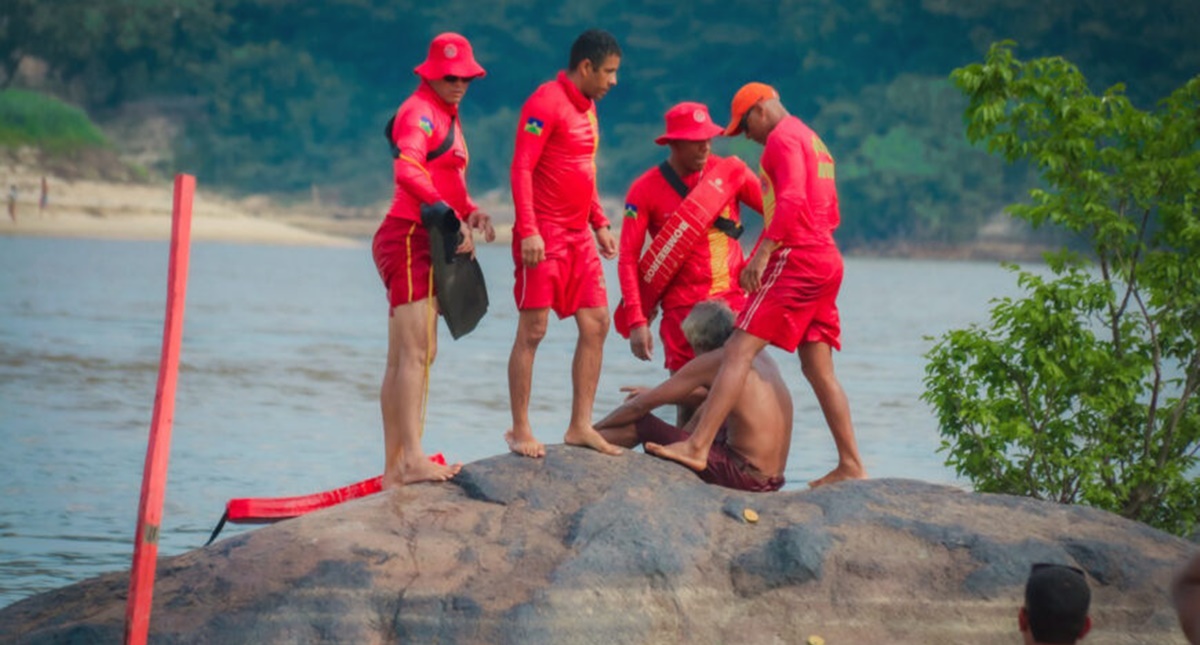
[(1085, 390)]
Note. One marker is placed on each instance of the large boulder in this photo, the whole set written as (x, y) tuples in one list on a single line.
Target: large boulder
[(583, 548)]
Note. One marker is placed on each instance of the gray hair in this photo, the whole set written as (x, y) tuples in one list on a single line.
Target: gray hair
[(708, 326)]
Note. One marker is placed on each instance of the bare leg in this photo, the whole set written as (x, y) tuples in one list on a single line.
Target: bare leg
[(624, 436), (816, 361), (585, 375), (683, 414), (683, 411), (401, 397), (531, 329), (740, 350)]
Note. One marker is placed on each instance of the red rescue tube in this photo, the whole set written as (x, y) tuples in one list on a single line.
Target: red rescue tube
[(251, 510), (264, 510), (674, 242)]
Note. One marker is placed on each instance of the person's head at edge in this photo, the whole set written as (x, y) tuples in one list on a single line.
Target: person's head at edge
[(595, 57), (756, 110), (1056, 605), (708, 326), (450, 67), (689, 134)]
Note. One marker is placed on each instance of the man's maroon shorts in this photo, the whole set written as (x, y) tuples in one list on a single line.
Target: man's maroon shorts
[(569, 279), (401, 250), (725, 467)]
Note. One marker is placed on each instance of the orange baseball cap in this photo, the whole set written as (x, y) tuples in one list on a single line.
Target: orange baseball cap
[(450, 54), (689, 121), (746, 98)]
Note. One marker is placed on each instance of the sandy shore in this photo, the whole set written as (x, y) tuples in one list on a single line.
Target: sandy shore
[(135, 211), (143, 212), (97, 209)]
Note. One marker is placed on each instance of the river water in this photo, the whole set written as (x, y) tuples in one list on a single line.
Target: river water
[(283, 350)]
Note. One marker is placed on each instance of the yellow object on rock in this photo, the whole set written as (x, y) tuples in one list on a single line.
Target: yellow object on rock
[(814, 640), (750, 515)]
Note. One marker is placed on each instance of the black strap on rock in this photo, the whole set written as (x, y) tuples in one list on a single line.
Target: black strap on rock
[(723, 224), (217, 531), (442, 148)]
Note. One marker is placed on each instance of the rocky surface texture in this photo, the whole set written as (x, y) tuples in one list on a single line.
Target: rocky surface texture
[(583, 548)]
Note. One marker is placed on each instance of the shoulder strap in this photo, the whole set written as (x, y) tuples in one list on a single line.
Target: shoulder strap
[(723, 224), (729, 227), (673, 179), (446, 143), (442, 148), (387, 134)]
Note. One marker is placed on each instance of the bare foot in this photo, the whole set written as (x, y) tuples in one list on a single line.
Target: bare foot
[(679, 452), (422, 470), (525, 447), (589, 437), (842, 473)]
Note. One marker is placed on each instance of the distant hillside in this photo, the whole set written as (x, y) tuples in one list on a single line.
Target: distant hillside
[(289, 98)]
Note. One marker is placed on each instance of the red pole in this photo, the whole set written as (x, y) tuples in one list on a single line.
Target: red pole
[(154, 477)]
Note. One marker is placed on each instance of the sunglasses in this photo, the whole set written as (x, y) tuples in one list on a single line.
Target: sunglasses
[(746, 118), (1038, 566), (458, 79)]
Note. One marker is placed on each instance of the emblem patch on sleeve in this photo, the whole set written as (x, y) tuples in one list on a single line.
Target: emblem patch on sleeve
[(426, 125), (534, 126)]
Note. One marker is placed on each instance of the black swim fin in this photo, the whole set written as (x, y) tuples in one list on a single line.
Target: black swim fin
[(458, 279)]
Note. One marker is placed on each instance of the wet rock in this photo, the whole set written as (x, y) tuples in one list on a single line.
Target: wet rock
[(583, 548)]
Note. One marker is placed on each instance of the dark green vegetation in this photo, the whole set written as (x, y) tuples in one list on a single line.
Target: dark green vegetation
[(1086, 390), (279, 95), (29, 118)]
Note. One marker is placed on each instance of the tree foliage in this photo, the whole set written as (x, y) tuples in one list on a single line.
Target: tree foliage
[(28, 118), (1085, 390), (868, 76)]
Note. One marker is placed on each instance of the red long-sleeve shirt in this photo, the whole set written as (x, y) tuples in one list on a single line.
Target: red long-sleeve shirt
[(423, 121), (799, 193), (712, 269), (554, 164)]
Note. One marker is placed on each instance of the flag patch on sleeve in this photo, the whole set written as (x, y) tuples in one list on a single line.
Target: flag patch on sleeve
[(631, 210), (426, 125), (534, 126)]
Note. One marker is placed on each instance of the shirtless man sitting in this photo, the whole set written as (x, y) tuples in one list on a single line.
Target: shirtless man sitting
[(751, 451)]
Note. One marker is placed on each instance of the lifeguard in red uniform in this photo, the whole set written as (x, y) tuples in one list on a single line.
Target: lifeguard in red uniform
[(559, 225), (708, 266), (792, 279), (430, 168)]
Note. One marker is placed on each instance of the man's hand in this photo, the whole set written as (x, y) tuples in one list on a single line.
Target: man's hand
[(533, 250), (641, 342), (467, 245), (632, 391), (751, 278), (481, 221), (606, 242)]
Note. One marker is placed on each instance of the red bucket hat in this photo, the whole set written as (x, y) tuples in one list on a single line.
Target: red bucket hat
[(450, 54), (689, 122)]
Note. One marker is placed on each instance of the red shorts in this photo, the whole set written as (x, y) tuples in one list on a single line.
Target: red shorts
[(401, 249), (677, 351), (797, 302), (569, 279), (725, 467)]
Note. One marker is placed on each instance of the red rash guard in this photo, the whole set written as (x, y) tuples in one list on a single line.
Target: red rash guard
[(798, 187), (713, 267), (554, 164), (422, 123)]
